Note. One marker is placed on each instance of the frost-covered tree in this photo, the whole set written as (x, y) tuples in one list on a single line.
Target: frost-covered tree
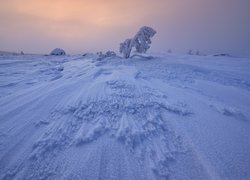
[(141, 42), (142, 39), (126, 47)]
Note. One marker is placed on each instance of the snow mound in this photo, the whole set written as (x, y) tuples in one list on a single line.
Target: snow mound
[(58, 52)]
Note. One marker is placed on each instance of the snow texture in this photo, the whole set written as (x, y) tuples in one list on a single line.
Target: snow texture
[(164, 117)]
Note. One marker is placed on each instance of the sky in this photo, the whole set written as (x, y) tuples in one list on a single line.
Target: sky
[(80, 26)]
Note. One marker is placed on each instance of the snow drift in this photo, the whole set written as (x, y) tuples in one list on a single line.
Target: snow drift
[(164, 117)]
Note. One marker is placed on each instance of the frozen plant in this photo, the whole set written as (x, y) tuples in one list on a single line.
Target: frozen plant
[(106, 55), (141, 42), (110, 54)]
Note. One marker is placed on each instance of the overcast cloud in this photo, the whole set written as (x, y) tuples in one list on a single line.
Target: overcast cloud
[(91, 25)]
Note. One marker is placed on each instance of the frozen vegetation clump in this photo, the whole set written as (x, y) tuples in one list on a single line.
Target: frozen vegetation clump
[(110, 54), (141, 42), (58, 52), (105, 55)]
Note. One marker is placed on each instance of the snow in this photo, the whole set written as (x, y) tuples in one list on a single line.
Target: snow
[(163, 116)]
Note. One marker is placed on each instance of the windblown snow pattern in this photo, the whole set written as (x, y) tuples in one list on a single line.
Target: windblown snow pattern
[(164, 116)]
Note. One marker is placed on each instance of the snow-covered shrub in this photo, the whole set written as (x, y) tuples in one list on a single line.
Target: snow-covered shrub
[(106, 55), (141, 42), (58, 52), (110, 54)]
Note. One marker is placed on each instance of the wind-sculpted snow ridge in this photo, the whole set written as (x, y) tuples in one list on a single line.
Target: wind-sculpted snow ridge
[(130, 115)]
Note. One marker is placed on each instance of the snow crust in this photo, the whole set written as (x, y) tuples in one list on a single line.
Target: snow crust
[(163, 116)]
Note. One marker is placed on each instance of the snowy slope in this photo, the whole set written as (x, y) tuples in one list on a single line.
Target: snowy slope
[(166, 117)]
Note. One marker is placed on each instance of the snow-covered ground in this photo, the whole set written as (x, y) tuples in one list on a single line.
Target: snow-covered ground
[(164, 117)]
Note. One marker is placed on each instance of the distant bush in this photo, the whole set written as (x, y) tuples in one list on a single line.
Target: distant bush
[(106, 55), (190, 52)]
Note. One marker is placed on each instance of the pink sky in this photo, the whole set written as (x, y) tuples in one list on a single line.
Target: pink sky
[(79, 26)]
